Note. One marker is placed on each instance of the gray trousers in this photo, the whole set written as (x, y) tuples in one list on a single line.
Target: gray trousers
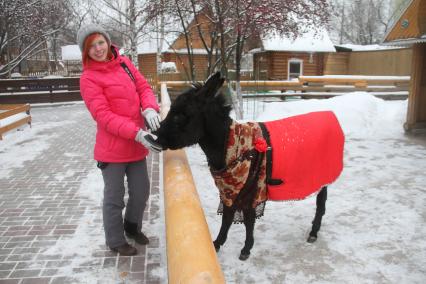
[(114, 191)]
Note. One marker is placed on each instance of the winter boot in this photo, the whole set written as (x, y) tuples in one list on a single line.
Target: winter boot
[(125, 250), (131, 230)]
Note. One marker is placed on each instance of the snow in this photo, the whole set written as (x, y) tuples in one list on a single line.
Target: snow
[(373, 231), (15, 75), (368, 47), (168, 67), (185, 51), (11, 119), (307, 42), (71, 52), (148, 44), (360, 77)]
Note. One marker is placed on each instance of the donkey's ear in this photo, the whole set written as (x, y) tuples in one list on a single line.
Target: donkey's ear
[(213, 85)]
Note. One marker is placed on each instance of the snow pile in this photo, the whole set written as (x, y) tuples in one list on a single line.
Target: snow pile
[(71, 52)]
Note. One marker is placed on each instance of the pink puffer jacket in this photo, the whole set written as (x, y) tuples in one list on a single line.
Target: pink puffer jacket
[(114, 101)]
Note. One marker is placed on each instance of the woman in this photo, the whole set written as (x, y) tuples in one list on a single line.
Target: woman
[(114, 93)]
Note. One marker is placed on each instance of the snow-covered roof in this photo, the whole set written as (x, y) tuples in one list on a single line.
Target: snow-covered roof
[(150, 42), (185, 51), (370, 47), (71, 52), (307, 42)]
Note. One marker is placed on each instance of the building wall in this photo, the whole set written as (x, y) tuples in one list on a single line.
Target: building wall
[(336, 63), (411, 24), (396, 62), (148, 64), (182, 64), (273, 65), (194, 37)]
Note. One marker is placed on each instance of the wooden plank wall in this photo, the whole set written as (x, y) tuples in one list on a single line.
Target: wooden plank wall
[(148, 64), (182, 63), (275, 64), (415, 24), (396, 62), (336, 63), (196, 43)]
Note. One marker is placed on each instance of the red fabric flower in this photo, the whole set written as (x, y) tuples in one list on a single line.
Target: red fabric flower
[(260, 145)]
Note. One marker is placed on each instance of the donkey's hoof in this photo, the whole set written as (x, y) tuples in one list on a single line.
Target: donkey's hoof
[(244, 256), (312, 239)]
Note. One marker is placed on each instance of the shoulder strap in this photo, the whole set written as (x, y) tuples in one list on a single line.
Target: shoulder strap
[(126, 68), (269, 179)]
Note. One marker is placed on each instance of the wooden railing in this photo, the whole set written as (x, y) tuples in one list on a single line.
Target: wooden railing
[(387, 87), (9, 110), (191, 257), (39, 90), (67, 89)]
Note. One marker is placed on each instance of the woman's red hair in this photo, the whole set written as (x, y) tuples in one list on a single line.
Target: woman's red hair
[(86, 47)]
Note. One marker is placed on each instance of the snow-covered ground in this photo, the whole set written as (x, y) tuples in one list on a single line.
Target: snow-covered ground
[(374, 228)]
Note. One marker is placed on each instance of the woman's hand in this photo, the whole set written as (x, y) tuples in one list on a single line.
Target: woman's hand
[(152, 118), (147, 139)]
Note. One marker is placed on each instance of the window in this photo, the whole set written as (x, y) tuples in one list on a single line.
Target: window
[(295, 68)]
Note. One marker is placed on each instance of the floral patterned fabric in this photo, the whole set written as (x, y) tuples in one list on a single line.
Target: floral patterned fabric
[(245, 142)]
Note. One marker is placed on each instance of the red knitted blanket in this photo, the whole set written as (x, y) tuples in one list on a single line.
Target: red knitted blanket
[(307, 154)]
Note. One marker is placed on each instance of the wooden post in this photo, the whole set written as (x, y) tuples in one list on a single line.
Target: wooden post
[(417, 95), (191, 257)]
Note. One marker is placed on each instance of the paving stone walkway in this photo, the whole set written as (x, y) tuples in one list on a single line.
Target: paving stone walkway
[(50, 223)]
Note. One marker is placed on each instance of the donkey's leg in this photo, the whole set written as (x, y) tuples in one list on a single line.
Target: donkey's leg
[(227, 218), (320, 211), (249, 220)]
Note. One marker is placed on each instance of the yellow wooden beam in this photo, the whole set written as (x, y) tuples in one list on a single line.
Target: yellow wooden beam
[(13, 125), (13, 109), (191, 257)]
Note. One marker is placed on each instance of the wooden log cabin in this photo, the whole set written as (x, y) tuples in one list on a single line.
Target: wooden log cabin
[(177, 52), (410, 30), (282, 58)]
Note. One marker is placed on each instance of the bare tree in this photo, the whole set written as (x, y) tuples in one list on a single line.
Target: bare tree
[(131, 20), (26, 26), (182, 21), (363, 21)]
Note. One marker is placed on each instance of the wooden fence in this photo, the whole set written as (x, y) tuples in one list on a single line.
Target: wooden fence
[(391, 62), (13, 91), (9, 110), (67, 89), (386, 87)]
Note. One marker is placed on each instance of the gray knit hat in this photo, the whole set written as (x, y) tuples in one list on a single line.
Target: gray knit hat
[(89, 29)]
